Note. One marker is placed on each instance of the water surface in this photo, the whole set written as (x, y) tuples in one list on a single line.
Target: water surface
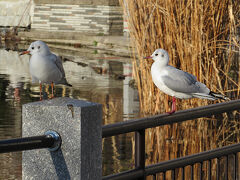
[(101, 77), (96, 76)]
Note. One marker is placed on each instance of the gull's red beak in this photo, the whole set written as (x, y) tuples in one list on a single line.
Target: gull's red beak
[(148, 57), (24, 52)]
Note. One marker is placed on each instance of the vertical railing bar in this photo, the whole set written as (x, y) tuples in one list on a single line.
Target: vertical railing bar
[(201, 164), (218, 169), (173, 174), (192, 172), (183, 173), (209, 169), (236, 166), (154, 176), (140, 151), (164, 175), (226, 168)]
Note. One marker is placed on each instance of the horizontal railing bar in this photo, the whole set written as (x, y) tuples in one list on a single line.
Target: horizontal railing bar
[(126, 175), (175, 163), (29, 143), (192, 159), (163, 119), (50, 140)]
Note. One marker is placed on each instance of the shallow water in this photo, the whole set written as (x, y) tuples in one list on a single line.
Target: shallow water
[(95, 76), (101, 77)]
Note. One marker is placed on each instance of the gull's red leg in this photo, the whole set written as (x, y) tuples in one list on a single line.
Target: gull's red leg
[(17, 94), (40, 91), (173, 106), (52, 89)]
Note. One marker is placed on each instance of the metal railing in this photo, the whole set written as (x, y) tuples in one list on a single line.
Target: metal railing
[(50, 139), (139, 125)]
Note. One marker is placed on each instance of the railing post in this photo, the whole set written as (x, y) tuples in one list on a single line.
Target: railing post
[(80, 125), (140, 150)]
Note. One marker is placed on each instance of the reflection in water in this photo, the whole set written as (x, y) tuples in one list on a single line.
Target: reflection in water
[(95, 77), (10, 110)]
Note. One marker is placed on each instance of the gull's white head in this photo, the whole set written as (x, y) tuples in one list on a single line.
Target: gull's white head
[(37, 47), (160, 55)]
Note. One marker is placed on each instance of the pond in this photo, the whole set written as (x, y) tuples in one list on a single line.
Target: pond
[(101, 77), (96, 76)]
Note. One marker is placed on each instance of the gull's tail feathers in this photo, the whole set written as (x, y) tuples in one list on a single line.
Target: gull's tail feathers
[(204, 96), (219, 96), (64, 82), (210, 96)]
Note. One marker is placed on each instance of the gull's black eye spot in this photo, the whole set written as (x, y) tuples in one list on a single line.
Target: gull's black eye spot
[(32, 47), (162, 55), (38, 47), (156, 54)]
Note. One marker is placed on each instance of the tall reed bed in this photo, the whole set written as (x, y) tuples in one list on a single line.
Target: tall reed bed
[(201, 38)]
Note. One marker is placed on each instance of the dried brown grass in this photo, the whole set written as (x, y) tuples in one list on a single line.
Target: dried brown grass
[(198, 35), (201, 38)]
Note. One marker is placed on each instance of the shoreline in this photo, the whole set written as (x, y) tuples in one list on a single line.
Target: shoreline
[(117, 45)]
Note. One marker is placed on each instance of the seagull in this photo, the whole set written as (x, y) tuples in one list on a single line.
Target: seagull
[(45, 67), (177, 83)]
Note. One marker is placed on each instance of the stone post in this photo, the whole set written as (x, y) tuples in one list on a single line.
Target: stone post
[(79, 124)]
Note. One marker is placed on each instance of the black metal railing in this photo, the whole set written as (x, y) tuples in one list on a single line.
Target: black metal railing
[(139, 125), (50, 139), (182, 162)]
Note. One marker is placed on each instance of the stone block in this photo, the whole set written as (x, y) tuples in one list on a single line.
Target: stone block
[(80, 125)]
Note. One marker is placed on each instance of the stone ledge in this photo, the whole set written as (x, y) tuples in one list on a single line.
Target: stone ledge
[(118, 45)]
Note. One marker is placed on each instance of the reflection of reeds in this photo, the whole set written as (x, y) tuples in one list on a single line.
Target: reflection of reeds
[(200, 37)]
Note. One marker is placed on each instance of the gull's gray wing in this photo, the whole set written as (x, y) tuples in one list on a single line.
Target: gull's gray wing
[(58, 62), (180, 81), (59, 65)]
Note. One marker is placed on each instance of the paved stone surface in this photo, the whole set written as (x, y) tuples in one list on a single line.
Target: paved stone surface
[(80, 126)]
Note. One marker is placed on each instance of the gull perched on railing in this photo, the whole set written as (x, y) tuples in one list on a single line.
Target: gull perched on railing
[(177, 83), (45, 67)]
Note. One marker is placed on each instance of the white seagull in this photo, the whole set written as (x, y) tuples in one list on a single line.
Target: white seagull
[(176, 82), (45, 67)]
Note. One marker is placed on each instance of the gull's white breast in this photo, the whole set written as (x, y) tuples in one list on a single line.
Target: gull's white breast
[(157, 74), (44, 69)]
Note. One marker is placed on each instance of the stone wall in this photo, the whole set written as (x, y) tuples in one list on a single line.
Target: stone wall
[(80, 2), (96, 19), (87, 16)]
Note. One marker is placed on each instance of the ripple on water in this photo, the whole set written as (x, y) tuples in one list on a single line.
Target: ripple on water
[(94, 79)]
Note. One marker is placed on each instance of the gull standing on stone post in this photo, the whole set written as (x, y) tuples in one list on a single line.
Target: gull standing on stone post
[(176, 82), (45, 67)]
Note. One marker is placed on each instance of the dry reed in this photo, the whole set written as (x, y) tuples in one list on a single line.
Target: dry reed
[(201, 38)]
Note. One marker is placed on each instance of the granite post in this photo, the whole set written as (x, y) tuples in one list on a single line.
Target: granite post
[(79, 124)]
